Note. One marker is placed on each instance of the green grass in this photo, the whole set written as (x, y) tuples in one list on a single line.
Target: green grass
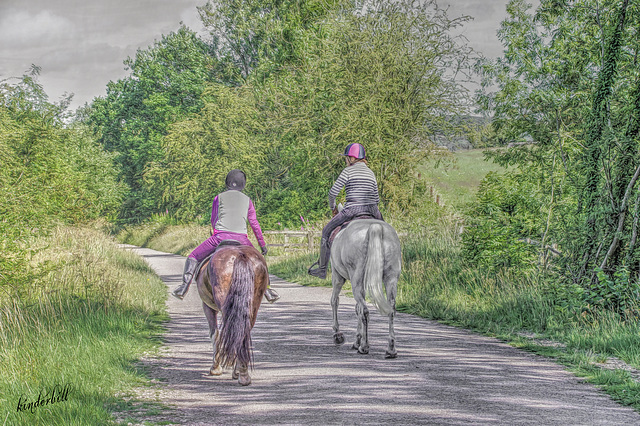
[(93, 312), (456, 178)]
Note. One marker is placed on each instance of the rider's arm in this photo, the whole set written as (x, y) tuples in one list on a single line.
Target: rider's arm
[(214, 213), (336, 188), (255, 226)]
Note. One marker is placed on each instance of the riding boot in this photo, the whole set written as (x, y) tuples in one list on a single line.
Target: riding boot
[(189, 269), (323, 261)]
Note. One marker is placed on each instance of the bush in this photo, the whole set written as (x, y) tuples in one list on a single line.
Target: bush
[(502, 223)]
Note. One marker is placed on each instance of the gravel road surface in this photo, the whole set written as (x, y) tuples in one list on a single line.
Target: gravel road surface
[(442, 376)]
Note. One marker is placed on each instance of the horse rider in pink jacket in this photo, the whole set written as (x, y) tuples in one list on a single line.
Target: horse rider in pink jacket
[(230, 213)]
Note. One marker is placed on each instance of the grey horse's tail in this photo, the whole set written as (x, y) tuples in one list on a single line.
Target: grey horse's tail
[(373, 270), (234, 338)]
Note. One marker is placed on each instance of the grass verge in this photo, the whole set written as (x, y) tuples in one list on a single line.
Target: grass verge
[(91, 313)]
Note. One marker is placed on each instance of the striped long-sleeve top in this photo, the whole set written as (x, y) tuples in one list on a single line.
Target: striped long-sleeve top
[(360, 184)]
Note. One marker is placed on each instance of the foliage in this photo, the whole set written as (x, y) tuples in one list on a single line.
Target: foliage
[(377, 76), (257, 37), (575, 116), (165, 85), (500, 222), (49, 173), (92, 312), (202, 149)]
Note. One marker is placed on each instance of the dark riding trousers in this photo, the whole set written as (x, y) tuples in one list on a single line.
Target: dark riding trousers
[(350, 213)]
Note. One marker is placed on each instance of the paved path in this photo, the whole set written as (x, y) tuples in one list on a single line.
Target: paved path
[(442, 376)]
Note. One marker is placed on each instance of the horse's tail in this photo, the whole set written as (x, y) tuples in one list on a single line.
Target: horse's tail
[(234, 337), (373, 270)]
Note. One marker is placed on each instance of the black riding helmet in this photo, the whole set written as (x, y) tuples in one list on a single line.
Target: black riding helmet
[(236, 180)]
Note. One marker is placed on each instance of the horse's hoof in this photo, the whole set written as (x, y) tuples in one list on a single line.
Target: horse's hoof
[(389, 355), (215, 371), (363, 350), (355, 346), (244, 380), (235, 374), (338, 338)]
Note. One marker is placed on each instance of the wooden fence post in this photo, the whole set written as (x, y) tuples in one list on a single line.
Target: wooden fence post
[(310, 240)]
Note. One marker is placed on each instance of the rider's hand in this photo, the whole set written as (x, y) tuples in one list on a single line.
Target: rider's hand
[(335, 211), (264, 250)]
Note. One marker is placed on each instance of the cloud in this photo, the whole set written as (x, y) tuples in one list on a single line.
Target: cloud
[(22, 27)]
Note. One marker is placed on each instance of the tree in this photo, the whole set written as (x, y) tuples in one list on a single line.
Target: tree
[(260, 36), (49, 173), (380, 75), (579, 113), (200, 151), (165, 85)]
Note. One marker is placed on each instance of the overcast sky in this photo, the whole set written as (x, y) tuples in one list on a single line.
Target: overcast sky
[(81, 44)]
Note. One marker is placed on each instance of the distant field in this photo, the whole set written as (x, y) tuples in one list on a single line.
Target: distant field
[(456, 180)]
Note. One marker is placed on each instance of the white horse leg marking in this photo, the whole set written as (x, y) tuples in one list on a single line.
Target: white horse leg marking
[(216, 370), (211, 316)]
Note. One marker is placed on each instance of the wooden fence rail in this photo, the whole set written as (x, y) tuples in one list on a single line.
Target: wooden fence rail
[(309, 239)]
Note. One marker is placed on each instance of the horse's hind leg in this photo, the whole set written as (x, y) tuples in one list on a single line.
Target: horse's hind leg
[(241, 374), (242, 371), (211, 315), (337, 282), (362, 337), (392, 290)]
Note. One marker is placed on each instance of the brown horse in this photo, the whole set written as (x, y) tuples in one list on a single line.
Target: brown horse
[(232, 282)]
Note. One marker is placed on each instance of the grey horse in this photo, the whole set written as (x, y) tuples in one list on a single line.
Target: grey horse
[(367, 253)]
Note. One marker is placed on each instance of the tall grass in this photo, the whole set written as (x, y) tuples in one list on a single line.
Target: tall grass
[(91, 313), (438, 283)]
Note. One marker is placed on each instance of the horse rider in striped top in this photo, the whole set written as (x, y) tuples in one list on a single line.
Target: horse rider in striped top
[(230, 212), (362, 198)]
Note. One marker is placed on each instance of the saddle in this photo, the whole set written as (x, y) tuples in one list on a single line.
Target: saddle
[(335, 232)]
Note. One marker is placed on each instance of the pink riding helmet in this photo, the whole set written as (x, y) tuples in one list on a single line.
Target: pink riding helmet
[(355, 150)]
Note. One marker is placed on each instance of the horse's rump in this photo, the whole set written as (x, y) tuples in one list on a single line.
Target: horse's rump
[(366, 246), (368, 254), (233, 284)]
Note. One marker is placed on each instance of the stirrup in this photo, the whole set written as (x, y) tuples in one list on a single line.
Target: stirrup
[(271, 295), (311, 268)]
